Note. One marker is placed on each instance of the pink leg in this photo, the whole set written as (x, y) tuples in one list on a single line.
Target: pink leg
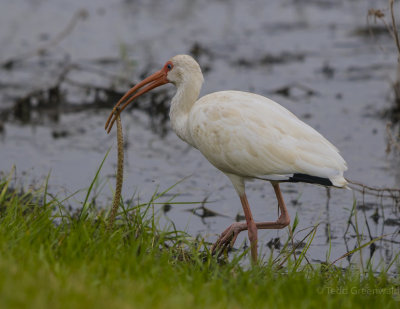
[(251, 227), (228, 237)]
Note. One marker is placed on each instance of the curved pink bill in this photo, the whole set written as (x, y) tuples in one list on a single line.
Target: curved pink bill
[(157, 79)]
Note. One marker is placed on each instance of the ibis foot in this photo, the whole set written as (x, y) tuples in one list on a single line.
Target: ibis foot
[(228, 237)]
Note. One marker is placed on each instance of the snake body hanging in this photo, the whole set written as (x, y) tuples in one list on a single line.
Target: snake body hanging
[(120, 174)]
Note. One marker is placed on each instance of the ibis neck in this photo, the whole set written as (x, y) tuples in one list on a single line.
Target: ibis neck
[(186, 95)]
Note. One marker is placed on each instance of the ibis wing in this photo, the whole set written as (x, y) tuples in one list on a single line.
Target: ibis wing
[(249, 135)]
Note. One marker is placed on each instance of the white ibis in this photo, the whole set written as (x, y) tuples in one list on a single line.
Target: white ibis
[(246, 136)]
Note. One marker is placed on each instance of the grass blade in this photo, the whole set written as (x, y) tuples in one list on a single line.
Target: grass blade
[(85, 205)]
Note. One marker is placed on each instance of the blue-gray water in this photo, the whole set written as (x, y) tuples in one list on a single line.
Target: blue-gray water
[(316, 58)]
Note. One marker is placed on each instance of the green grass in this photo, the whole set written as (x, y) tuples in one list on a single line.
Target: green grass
[(51, 258)]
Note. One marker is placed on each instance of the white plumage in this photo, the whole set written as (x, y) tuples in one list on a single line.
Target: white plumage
[(246, 136), (251, 136)]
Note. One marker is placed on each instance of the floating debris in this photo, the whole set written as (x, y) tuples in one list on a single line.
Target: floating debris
[(274, 243), (204, 212), (271, 59), (166, 208), (295, 91), (375, 216), (239, 217), (327, 70), (392, 222), (60, 133)]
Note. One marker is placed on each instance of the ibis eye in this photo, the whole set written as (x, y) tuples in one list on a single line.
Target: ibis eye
[(169, 66)]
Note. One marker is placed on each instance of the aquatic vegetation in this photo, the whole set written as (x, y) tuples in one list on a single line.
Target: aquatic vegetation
[(391, 28)]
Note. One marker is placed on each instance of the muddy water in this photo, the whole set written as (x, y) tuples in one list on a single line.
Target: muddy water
[(314, 57)]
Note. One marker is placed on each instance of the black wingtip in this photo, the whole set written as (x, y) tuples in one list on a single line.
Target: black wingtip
[(297, 177)]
